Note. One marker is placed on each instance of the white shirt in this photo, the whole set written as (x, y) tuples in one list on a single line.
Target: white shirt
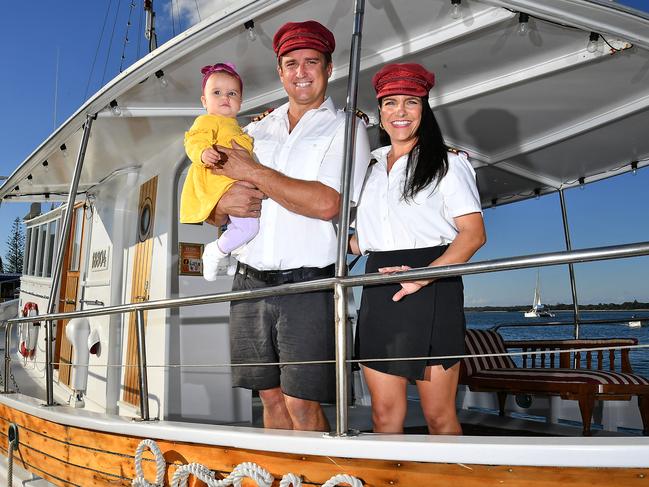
[(313, 151), (385, 221)]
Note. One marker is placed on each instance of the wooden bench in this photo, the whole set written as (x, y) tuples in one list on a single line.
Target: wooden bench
[(586, 377)]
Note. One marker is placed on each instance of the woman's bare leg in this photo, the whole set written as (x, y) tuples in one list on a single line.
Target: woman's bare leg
[(437, 394), (389, 405)]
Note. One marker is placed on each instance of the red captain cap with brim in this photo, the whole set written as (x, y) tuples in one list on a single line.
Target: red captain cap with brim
[(303, 35), (403, 79)]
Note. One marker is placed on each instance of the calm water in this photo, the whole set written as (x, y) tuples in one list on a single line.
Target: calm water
[(639, 358)]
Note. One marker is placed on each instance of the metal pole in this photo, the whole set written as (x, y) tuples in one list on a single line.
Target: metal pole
[(58, 263), (149, 32), (141, 365), (7, 356), (340, 292), (571, 270)]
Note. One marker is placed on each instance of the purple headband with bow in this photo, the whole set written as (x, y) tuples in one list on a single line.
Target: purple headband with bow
[(228, 68)]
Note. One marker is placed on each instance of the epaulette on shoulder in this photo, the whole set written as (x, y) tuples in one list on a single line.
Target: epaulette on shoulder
[(363, 116), (453, 150), (263, 115)]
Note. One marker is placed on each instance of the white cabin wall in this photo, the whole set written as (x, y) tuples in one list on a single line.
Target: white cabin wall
[(111, 212), (199, 335)]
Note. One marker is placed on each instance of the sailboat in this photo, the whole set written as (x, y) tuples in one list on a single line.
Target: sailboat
[(538, 309)]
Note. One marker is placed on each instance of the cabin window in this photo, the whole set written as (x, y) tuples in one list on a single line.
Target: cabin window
[(27, 259), (75, 259), (49, 250), (40, 247), (32, 251)]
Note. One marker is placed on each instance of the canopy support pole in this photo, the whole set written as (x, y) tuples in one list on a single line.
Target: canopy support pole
[(58, 263), (340, 292), (571, 269)]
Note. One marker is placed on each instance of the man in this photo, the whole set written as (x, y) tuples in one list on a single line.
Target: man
[(299, 147)]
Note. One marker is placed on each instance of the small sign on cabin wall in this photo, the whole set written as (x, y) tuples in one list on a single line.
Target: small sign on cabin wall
[(189, 259), (99, 259)]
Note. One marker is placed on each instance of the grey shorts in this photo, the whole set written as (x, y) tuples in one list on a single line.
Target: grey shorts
[(289, 328)]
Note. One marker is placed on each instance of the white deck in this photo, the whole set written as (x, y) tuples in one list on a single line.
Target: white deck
[(531, 451)]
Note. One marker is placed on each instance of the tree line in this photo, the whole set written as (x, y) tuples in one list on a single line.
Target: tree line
[(13, 261)]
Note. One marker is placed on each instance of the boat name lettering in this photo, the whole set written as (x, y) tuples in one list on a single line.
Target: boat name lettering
[(100, 259)]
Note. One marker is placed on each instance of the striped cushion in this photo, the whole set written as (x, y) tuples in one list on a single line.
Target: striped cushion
[(568, 376), (481, 342)]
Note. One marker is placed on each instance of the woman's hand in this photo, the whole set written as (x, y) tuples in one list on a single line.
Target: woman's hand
[(408, 287)]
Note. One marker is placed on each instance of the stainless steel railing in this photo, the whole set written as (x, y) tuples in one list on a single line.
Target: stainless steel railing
[(496, 265)]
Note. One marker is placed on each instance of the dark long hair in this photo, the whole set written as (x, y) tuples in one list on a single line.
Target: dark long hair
[(428, 159)]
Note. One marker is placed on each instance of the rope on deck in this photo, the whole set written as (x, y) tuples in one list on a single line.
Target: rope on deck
[(246, 470), (160, 465)]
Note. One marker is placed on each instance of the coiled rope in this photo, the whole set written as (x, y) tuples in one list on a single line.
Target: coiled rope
[(343, 479), (160, 465), (290, 480), (249, 470), (246, 470)]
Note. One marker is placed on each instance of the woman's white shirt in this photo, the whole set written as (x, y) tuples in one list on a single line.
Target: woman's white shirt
[(387, 221)]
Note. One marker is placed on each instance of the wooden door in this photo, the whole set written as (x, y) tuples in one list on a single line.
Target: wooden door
[(69, 291), (140, 284)]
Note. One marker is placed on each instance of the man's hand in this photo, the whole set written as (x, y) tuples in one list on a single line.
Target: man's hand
[(242, 200), (235, 163)]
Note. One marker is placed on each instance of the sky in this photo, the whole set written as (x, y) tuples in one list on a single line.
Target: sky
[(53, 61)]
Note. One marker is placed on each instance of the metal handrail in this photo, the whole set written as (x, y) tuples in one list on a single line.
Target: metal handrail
[(522, 262), (481, 267)]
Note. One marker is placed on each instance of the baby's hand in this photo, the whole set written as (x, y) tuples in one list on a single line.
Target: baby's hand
[(211, 158)]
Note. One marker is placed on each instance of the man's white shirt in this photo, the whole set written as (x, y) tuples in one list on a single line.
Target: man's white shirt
[(313, 151)]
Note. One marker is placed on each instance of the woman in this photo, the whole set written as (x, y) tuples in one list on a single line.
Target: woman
[(419, 207)]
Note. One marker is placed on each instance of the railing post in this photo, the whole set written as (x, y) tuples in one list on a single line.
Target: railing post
[(141, 364), (7, 357)]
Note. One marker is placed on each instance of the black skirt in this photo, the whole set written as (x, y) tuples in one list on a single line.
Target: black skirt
[(427, 323)]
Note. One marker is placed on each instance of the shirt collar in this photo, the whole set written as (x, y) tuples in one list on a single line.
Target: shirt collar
[(381, 156), (282, 111)]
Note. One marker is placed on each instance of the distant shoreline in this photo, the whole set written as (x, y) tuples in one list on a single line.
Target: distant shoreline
[(601, 307), (477, 310)]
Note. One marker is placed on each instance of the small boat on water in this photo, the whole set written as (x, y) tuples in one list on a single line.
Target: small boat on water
[(538, 309), (132, 353)]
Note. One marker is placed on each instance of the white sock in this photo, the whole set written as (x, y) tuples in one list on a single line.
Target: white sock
[(211, 257)]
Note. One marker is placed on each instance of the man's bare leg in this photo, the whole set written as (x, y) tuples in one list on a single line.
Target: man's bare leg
[(276, 414), (306, 415)]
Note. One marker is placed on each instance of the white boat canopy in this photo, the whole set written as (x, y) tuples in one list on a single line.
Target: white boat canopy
[(536, 112)]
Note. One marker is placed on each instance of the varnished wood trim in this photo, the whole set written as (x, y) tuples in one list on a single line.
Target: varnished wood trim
[(140, 277)]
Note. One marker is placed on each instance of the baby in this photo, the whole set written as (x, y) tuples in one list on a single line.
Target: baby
[(222, 91)]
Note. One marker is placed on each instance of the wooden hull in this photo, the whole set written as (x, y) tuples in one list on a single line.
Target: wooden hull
[(67, 455)]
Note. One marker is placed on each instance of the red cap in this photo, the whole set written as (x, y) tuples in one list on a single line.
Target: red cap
[(303, 35), (403, 79)]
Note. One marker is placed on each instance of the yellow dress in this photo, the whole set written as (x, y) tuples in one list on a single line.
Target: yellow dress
[(203, 189)]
